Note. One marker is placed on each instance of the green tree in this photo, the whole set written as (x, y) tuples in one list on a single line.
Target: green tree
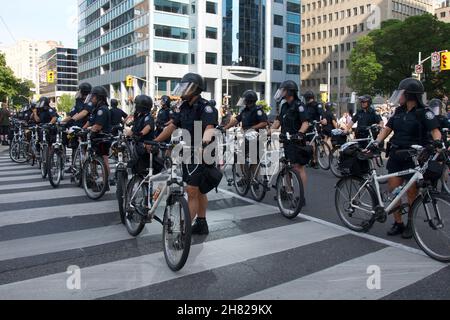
[(24, 93), (66, 103), (396, 46), (8, 82), (364, 68), (265, 106)]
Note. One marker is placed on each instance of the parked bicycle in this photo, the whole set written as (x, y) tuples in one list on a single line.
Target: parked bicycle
[(322, 149), (57, 158)]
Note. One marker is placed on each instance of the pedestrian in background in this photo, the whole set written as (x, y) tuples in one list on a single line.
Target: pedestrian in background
[(4, 124)]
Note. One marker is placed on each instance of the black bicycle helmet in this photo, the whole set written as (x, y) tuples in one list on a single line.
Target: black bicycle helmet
[(143, 104)]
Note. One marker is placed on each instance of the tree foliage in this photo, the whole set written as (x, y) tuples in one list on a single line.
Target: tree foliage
[(66, 103), (8, 82), (395, 47)]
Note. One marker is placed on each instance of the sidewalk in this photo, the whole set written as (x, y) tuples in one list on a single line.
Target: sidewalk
[(4, 149)]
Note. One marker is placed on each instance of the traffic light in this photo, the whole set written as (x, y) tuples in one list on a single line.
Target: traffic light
[(129, 81), (50, 76), (324, 97), (445, 61)]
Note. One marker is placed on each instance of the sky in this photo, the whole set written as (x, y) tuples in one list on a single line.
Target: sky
[(39, 20)]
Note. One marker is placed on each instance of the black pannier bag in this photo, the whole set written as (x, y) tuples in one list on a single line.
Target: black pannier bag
[(352, 162), (434, 171)]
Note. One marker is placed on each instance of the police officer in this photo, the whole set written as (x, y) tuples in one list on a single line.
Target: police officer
[(293, 119), (437, 106), (143, 128), (364, 118), (331, 120), (165, 114), (315, 113), (44, 113), (100, 120), (118, 116), (75, 118), (412, 124), (194, 108)]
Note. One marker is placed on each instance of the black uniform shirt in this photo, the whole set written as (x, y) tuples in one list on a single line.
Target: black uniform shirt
[(412, 127), (100, 116), (163, 117), (117, 115), (315, 111), (365, 119), (79, 106), (140, 122), (251, 116), (46, 116), (292, 117)]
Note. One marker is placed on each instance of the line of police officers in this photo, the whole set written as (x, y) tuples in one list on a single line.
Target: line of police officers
[(412, 123)]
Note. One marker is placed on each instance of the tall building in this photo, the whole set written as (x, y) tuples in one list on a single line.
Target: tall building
[(234, 44), (63, 62), (23, 58), (330, 30), (443, 12)]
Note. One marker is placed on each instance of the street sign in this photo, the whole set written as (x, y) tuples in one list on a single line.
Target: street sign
[(51, 76), (323, 88), (419, 68), (435, 61)]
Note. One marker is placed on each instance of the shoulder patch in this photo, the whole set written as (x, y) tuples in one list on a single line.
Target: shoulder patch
[(209, 109), (319, 106), (147, 118), (301, 109), (260, 113), (430, 115), (100, 113)]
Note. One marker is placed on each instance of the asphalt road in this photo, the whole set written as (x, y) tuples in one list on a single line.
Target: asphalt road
[(252, 252)]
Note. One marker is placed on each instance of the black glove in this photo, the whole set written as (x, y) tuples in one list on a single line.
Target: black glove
[(437, 144)]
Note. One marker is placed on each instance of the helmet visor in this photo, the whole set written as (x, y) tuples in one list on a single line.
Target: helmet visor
[(79, 95), (185, 89), (88, 98), (280, 94), (241, 102), (40, 104), (396, 97)]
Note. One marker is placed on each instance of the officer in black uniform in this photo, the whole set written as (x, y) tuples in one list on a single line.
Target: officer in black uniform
[(412, 124), (365, 117), (44, 112), (100, 121), (315, 113), (331, 120), (165, 114), (193, 109), (118, 116), (293, 119), (143, 129), (437, 106)]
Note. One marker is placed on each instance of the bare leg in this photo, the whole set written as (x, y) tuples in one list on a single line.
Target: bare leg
[(392, 184), (203, 205), (193, 201)]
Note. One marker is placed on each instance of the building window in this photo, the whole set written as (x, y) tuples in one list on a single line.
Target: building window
[(278, 65), (211, 58), (171, 57), (292, 69), (277, 42), (277, 20), (211, 33), (293, 48), (211, 7), (171, 6), (171, 32), (192, 58)]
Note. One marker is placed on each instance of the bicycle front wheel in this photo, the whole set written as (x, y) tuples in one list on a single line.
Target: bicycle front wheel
[(18, 152), (95, 178), (122, 181), (431, 225), (44, 161), (290, 193), (323, 155), (259, 186), (77, 167), (334, 163), (240, 178), (135, 204), (444, 183), (177, 232), (354, 205), (55, 168)]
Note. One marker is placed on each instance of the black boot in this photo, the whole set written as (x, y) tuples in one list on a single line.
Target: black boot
[(396, 229), (200, 227)]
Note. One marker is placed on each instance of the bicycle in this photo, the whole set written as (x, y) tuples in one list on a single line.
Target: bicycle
[(142, 201), (443, 184), (360, 203), (322, 149), (57, 159), (79, 157), (44, 150), (94, 176), (19, 145)]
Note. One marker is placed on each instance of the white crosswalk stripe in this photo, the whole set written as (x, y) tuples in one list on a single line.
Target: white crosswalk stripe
[(242, 231)]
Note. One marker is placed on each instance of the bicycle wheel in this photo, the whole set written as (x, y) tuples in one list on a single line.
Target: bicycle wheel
[(17, 152), (290, 193), (177, 232), (44, 161), (122, 181), (334, 163), (356, 219), (77, 168), (323, 155), (55, 168), (95, 178), (444, 183), (135, 203), (240, 179), (258, 186), (432, 231)]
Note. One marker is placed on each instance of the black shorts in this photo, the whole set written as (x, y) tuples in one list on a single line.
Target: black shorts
[(296, 154), (192, 174), (4, 130), (102, 148), (399, 162)]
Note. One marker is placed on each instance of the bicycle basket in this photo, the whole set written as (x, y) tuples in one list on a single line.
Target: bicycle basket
[(434, 171), (338, 140), (352, 162)]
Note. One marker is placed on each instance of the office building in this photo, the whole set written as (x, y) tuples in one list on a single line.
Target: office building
[(234, 44), (443, 11)]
